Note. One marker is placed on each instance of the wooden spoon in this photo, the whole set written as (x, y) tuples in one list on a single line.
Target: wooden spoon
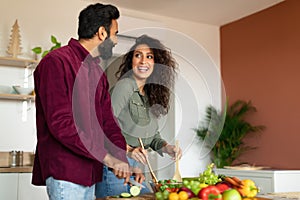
[(154, 179), (177, 175)]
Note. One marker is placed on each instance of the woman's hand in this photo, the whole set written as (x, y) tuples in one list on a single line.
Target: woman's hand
[(139, 154), (172, 151)]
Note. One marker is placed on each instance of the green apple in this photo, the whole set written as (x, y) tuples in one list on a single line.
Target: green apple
[(231, 194)]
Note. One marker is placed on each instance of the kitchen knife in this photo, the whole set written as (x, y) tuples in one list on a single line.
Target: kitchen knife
[(133, 182)]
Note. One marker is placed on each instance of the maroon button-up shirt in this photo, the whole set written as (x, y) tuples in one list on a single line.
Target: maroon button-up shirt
[(75, 123)]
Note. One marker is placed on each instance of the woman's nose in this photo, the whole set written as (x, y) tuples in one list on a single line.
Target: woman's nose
[(143, 60)]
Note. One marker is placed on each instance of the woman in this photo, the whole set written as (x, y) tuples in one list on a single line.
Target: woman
[(141, 95)]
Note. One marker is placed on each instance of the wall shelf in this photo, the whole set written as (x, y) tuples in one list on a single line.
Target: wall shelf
[(18, 62), (18, 97)]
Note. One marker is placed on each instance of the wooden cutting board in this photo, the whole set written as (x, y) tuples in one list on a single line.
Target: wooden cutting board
[(140, 197)]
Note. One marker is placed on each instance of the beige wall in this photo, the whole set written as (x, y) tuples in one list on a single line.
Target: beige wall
[(260, 62), (39, 19)]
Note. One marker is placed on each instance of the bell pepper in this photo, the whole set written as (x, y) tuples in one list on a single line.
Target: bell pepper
[(210, 193), (248, 189), (222, 186)]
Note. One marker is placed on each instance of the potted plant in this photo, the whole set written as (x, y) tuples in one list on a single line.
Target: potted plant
[(56, 44), (224, 132)]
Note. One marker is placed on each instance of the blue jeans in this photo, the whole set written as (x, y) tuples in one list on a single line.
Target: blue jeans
[(64, 190), (111, 185)]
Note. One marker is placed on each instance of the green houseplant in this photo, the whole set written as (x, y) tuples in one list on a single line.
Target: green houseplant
[(224, 132), (39, 50)]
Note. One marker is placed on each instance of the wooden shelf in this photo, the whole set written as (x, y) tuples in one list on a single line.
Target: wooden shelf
[(19, 169), (18, 97), (18, 62)]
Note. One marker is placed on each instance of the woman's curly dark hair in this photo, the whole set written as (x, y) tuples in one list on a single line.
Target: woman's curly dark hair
[(160, 83)]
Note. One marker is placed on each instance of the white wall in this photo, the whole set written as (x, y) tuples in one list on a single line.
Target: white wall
[(195, 46)]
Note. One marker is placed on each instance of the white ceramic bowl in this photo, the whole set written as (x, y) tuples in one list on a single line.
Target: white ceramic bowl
[(4, 89), (23, 90)]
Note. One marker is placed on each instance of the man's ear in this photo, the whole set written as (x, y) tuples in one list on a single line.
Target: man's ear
[(102, 34)]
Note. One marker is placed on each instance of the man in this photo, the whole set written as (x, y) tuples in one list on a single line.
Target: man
[(76, 130)]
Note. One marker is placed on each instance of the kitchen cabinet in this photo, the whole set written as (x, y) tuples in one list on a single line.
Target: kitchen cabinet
[(269, 180), (17, 186), (9, 186), (28, 65), (27, 191)]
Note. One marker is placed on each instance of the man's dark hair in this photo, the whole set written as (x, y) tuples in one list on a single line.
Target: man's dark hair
[(93, 17)]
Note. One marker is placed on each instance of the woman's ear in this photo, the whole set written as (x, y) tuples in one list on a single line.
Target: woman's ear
[(102, 34)]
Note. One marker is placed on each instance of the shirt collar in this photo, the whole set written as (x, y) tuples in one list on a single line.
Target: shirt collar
[(81, 52)]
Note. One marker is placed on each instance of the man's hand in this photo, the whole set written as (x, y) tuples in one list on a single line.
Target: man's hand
[(172, 151), (139, 154), (138, 173), (119, 168)]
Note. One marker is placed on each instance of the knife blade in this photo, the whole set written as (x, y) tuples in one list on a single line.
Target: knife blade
[(133, 182)]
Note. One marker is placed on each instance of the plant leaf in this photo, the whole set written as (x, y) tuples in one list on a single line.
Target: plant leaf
[(45, 53), (229, 144), (37, 50), (53, 39)]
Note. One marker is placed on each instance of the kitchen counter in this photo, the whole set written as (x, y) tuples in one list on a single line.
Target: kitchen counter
[(152, 197), (268, 180), (20, 169)]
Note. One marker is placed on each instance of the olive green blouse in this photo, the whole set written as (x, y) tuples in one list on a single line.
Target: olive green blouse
[(132, 111)]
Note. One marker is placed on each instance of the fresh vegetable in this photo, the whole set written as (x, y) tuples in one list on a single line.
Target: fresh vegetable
[(208, 176), (248, 189), (170, 185), (210, 193), (222, 186), (125, 195), (135, 190)]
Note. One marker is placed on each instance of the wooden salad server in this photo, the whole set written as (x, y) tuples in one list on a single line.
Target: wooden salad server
[(177, 175)]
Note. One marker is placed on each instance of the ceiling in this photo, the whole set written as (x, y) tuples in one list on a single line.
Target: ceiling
[(214, 12)]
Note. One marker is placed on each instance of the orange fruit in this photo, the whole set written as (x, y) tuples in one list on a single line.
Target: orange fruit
[(173, 196), (183, 195)]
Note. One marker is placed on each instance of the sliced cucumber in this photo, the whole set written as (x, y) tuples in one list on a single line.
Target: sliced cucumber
[(125, 195), (135, 190)]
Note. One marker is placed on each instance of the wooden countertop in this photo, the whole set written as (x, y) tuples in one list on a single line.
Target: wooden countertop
[(20, 169)]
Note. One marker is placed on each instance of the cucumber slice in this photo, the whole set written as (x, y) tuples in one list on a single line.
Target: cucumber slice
[(135, 190), (125, 195)]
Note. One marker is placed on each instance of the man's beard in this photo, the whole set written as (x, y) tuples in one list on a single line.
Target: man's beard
[(105, 49)]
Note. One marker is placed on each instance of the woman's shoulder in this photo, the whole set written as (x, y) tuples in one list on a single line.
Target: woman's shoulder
[(125, 84)]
